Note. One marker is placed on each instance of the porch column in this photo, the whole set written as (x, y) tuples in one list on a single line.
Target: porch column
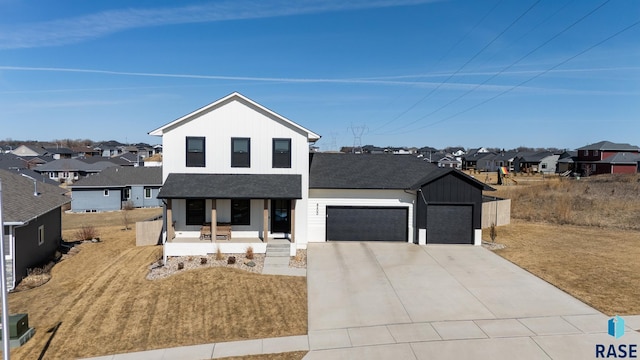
[(214, 220), (170, 229), (265, 221), (293, 221)]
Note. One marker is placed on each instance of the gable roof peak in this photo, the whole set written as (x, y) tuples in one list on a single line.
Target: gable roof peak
[(311, 136)]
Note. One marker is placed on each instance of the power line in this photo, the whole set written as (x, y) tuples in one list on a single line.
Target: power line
[(451, 48), (530, 79), (510, 65), (462, 67), (517, 41)]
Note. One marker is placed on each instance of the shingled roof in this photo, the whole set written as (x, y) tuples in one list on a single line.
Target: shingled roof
[(363, 171), (19, 204), (121, 176), (609, 146), (232, 186)]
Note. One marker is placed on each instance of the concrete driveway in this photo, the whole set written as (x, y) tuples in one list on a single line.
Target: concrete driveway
[(403, 301)]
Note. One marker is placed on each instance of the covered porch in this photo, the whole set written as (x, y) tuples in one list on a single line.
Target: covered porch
[(230, 212)]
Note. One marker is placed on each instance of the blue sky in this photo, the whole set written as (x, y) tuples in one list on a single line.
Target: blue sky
[(402, 72)]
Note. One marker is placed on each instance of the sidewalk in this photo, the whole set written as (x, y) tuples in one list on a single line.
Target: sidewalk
[(553, 338), (218, 350)]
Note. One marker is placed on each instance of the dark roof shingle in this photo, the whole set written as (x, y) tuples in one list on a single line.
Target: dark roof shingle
[(364, 171), (19, 204), (120, 176), (231, 186)]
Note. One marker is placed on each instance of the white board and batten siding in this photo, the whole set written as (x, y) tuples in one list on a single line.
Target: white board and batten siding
[(236, 119), (320, 199)]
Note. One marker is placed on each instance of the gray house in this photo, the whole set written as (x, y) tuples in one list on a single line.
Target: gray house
[(115, 187), (32, 221)]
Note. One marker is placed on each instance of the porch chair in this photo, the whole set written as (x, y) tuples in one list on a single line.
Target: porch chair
[(205, 231)]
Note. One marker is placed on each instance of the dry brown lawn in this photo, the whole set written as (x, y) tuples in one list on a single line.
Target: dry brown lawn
[(294, 355), (579, 235), (107, 306)]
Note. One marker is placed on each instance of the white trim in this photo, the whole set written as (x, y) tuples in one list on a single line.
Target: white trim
[(311, 136), (477, 240)]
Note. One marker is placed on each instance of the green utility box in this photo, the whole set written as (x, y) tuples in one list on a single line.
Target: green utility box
[(18, 325)]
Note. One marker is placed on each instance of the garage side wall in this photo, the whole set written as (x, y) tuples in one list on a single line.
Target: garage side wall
[(319, 199)]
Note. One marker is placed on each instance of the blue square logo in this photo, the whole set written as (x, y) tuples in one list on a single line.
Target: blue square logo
[(616, 327)]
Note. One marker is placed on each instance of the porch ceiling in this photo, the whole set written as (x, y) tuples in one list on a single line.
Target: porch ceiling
[(232, 186)]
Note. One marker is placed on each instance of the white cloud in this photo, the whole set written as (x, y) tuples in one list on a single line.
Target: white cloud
[(82, 28)]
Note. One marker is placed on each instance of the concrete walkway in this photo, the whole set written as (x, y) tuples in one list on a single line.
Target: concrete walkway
[(276, 261), (218, 350), (402, 301)]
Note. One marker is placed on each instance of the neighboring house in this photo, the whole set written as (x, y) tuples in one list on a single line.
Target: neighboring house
[(133, 159), (27, 150), (606, 157), (567, 162), (450, 161), (143, 149), (237, 166), (493, 162), (116, 187), (472, 157), (70, 170), (110, 148), (60, 152), (544, 162), (85, 151), (157, 149), (371, 149), (397, 151), (32, 221), (392, 198)]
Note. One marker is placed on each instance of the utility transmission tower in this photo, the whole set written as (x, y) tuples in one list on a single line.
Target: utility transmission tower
[(334, 144), (357, 131)]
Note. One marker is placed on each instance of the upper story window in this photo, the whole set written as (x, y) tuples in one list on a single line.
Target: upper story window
[(282, 153), (147, 193), (595, 153), (585, 152), (240, 152), (106, 192), (195, 152)]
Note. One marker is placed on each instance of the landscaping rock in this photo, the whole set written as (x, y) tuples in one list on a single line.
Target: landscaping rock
[(250, 263)]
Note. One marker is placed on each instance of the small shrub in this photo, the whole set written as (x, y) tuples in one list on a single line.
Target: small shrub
[(180, 265), (493, 232), (219, 255), (249, 253), (128, 205), (86, 232), (203, 261), (231, 260)]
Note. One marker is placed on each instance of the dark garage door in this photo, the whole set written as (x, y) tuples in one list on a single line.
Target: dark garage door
[(450, 224), (348, 223)]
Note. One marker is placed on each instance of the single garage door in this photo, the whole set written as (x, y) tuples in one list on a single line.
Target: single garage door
[(449, 224), (349, 223)]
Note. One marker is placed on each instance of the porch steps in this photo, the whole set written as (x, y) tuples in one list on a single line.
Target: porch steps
[(276, 261)]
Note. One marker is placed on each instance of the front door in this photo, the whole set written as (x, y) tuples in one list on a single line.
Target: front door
[(280, 216)]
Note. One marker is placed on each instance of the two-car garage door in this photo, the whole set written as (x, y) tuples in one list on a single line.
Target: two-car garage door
[(366, 223)]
